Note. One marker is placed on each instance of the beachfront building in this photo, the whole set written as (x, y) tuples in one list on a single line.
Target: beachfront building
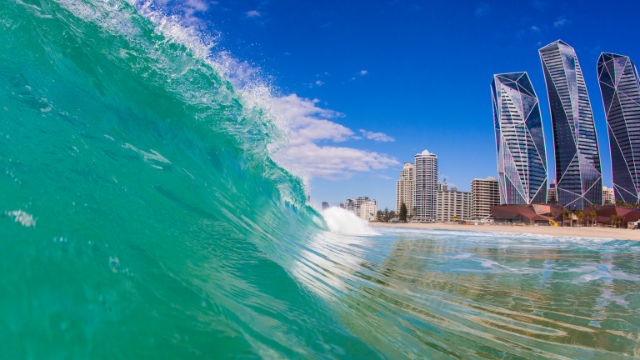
[(348, 205), (608, 196), (520, 147), (425, 200), (485, 193), (325, 205), (363, 207), (368, 210), (551, 193), (619, 85), (405, 189), (577, 156), (453, 205)]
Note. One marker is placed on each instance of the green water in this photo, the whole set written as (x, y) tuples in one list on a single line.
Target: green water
[(142, 218)]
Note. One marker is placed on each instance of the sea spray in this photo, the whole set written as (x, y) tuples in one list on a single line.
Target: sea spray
[(346, 222)]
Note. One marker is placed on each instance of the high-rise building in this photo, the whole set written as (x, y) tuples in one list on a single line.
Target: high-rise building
[(552, 197), (577, 156), (485, 193), (620, 87), (363, 207), (405, 188), (608, 197), (341, 205), (325, 205), (426, 169), (522, 158), (443, 186), (368, 210), (348, 205), (453, 205)]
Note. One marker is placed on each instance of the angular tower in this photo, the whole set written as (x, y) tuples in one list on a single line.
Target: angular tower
[(578, 172), (620, 87), (522, 158)]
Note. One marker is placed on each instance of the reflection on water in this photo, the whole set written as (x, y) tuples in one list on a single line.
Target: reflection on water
[(416, 293)]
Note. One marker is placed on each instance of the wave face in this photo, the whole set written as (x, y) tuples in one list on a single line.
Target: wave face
[(142, 218)]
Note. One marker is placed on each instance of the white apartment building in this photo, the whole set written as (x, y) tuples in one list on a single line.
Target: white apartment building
[(405, 189), (453, 204), (485, 193), (551, 193), (426, 169), (608, 196), (363, 207)]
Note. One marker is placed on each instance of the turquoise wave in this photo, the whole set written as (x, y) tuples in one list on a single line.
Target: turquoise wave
[(142, 218)]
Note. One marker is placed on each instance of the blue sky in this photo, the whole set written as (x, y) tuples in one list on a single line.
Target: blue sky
[(413, 75)]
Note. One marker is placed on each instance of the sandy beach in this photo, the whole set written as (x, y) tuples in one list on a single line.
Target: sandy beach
[(604, 233)]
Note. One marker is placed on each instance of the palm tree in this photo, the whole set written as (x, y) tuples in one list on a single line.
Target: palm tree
[(592, 215), (615, 219), (565, 216), (580, 216)]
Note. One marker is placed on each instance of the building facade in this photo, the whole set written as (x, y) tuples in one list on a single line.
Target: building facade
[(578, 171), (426, 169), (485, 193), (368, 210), (325, 205), (522, 158), (608, 196), (620, 88), (453, 205), (405, 189), (552, 197), (363, 207)]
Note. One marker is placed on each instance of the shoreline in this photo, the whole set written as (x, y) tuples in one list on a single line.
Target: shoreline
[(590, 232)]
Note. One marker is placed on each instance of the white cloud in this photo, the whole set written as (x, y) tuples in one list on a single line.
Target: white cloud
[(562, 21), (307, 125), (253, 13), (377, 136), (331, 162), (319, 83), (197, 5), (363, 72), (536, 29), (383, 177)]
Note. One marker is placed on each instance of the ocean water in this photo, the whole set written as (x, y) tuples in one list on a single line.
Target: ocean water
[(143, 218)]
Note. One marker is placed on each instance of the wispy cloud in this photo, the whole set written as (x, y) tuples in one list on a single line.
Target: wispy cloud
[(253, 13), (482, 9), (377, 136), (308, 125), (536, 29), (383, 177), (562, 21), (363, 72), (319, 83)]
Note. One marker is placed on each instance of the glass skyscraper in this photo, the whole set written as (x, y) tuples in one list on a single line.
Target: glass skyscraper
[(578, 172), (522, 158), (619, 84)]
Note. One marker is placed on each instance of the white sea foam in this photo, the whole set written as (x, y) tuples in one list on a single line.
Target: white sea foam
[(346, 222), (22, 217)]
